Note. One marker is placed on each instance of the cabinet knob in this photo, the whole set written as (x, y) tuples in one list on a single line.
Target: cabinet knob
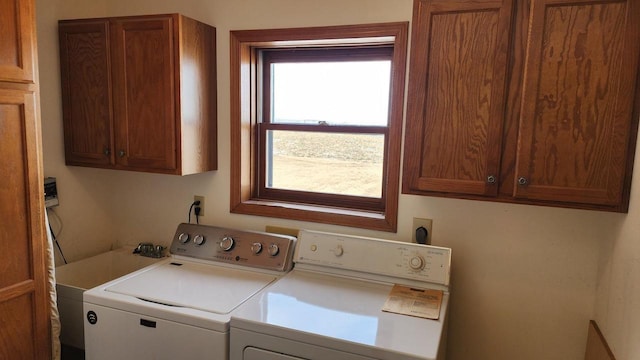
[(107, 151), (522, 181), (121, 153), (491, 179)]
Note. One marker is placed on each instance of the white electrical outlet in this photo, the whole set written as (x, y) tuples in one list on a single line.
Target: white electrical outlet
[(201, 198), (427, 224)]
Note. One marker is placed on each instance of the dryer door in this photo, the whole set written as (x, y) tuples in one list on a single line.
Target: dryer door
[(252, 353)]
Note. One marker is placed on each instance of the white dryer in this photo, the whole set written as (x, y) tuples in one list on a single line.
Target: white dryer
[(329, 307)]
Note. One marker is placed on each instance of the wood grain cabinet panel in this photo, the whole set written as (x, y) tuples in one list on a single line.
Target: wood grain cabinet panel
[(456, 101), (532, 102), (24, 296), (577, 107), (86, 92), (143, 73), (14, 108), (17, 41), (152, 100)]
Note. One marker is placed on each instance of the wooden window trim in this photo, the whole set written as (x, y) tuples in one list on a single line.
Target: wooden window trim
[(332, 54), (244, 198)]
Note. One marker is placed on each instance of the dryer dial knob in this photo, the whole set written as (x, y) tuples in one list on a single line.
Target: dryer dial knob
[(256, 248), (198, 240), (227, 243), (273, 249), (183, 238), (416, 263), (338, 251)]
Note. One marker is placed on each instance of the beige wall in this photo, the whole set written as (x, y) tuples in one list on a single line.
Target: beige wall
[(524, 277), (618, 292), (85, 207)]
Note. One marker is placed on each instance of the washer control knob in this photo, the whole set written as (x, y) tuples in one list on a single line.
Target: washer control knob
[(227, 243), (338, 251), (183, 238), (273, 249), (256, 248), (198, 240), (416, 263)]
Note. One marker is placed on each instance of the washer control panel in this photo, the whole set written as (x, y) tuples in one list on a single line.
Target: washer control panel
[(248, 248), (375, 256)]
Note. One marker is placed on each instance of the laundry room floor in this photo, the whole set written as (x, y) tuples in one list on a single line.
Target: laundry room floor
[(71, 353)]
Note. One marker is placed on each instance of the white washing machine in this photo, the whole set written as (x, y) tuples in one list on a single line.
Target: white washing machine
[(180, 308), (329, 307)]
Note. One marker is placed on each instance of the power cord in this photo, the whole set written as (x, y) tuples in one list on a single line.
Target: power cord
[(197, 211), (57, 244), (53, 235)]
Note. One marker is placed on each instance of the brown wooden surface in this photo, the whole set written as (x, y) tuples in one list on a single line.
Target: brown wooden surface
[(566, 157), (144, 92), (520, 31), (267, 125), (197, 75), (24, 304), (17, 43), (597, 347), (124, 102), (244, 120), (13, 107), (86, 92), (578, 97), (23, 301), (456, 103)]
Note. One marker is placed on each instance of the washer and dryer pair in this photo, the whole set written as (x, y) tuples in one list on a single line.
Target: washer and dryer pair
[(231, 294)]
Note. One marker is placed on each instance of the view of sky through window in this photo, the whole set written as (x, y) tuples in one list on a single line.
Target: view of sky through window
[(339, 93)]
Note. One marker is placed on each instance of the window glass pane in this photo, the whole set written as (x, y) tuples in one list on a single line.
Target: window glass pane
[(332, 163), (339, 93)]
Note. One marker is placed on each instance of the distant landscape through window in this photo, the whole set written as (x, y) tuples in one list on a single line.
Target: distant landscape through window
[(341, 93)]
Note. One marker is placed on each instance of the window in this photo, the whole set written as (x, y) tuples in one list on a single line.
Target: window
[(316, 123)]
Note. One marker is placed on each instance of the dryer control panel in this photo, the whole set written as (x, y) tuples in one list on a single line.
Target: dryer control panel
[(374, 256)]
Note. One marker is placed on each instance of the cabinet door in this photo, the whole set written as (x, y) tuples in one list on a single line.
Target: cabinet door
[(17, 41), (24, 302), (456, 96), (577, 102), (24, 316), (86, 92), (144, 96)]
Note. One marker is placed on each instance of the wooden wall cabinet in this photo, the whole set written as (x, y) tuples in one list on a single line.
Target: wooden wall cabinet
[(139, 93), (17, 53), (531, 102), (24, 296)]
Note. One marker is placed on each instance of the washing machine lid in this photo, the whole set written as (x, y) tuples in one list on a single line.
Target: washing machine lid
[(343, 314), (205, 287)]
